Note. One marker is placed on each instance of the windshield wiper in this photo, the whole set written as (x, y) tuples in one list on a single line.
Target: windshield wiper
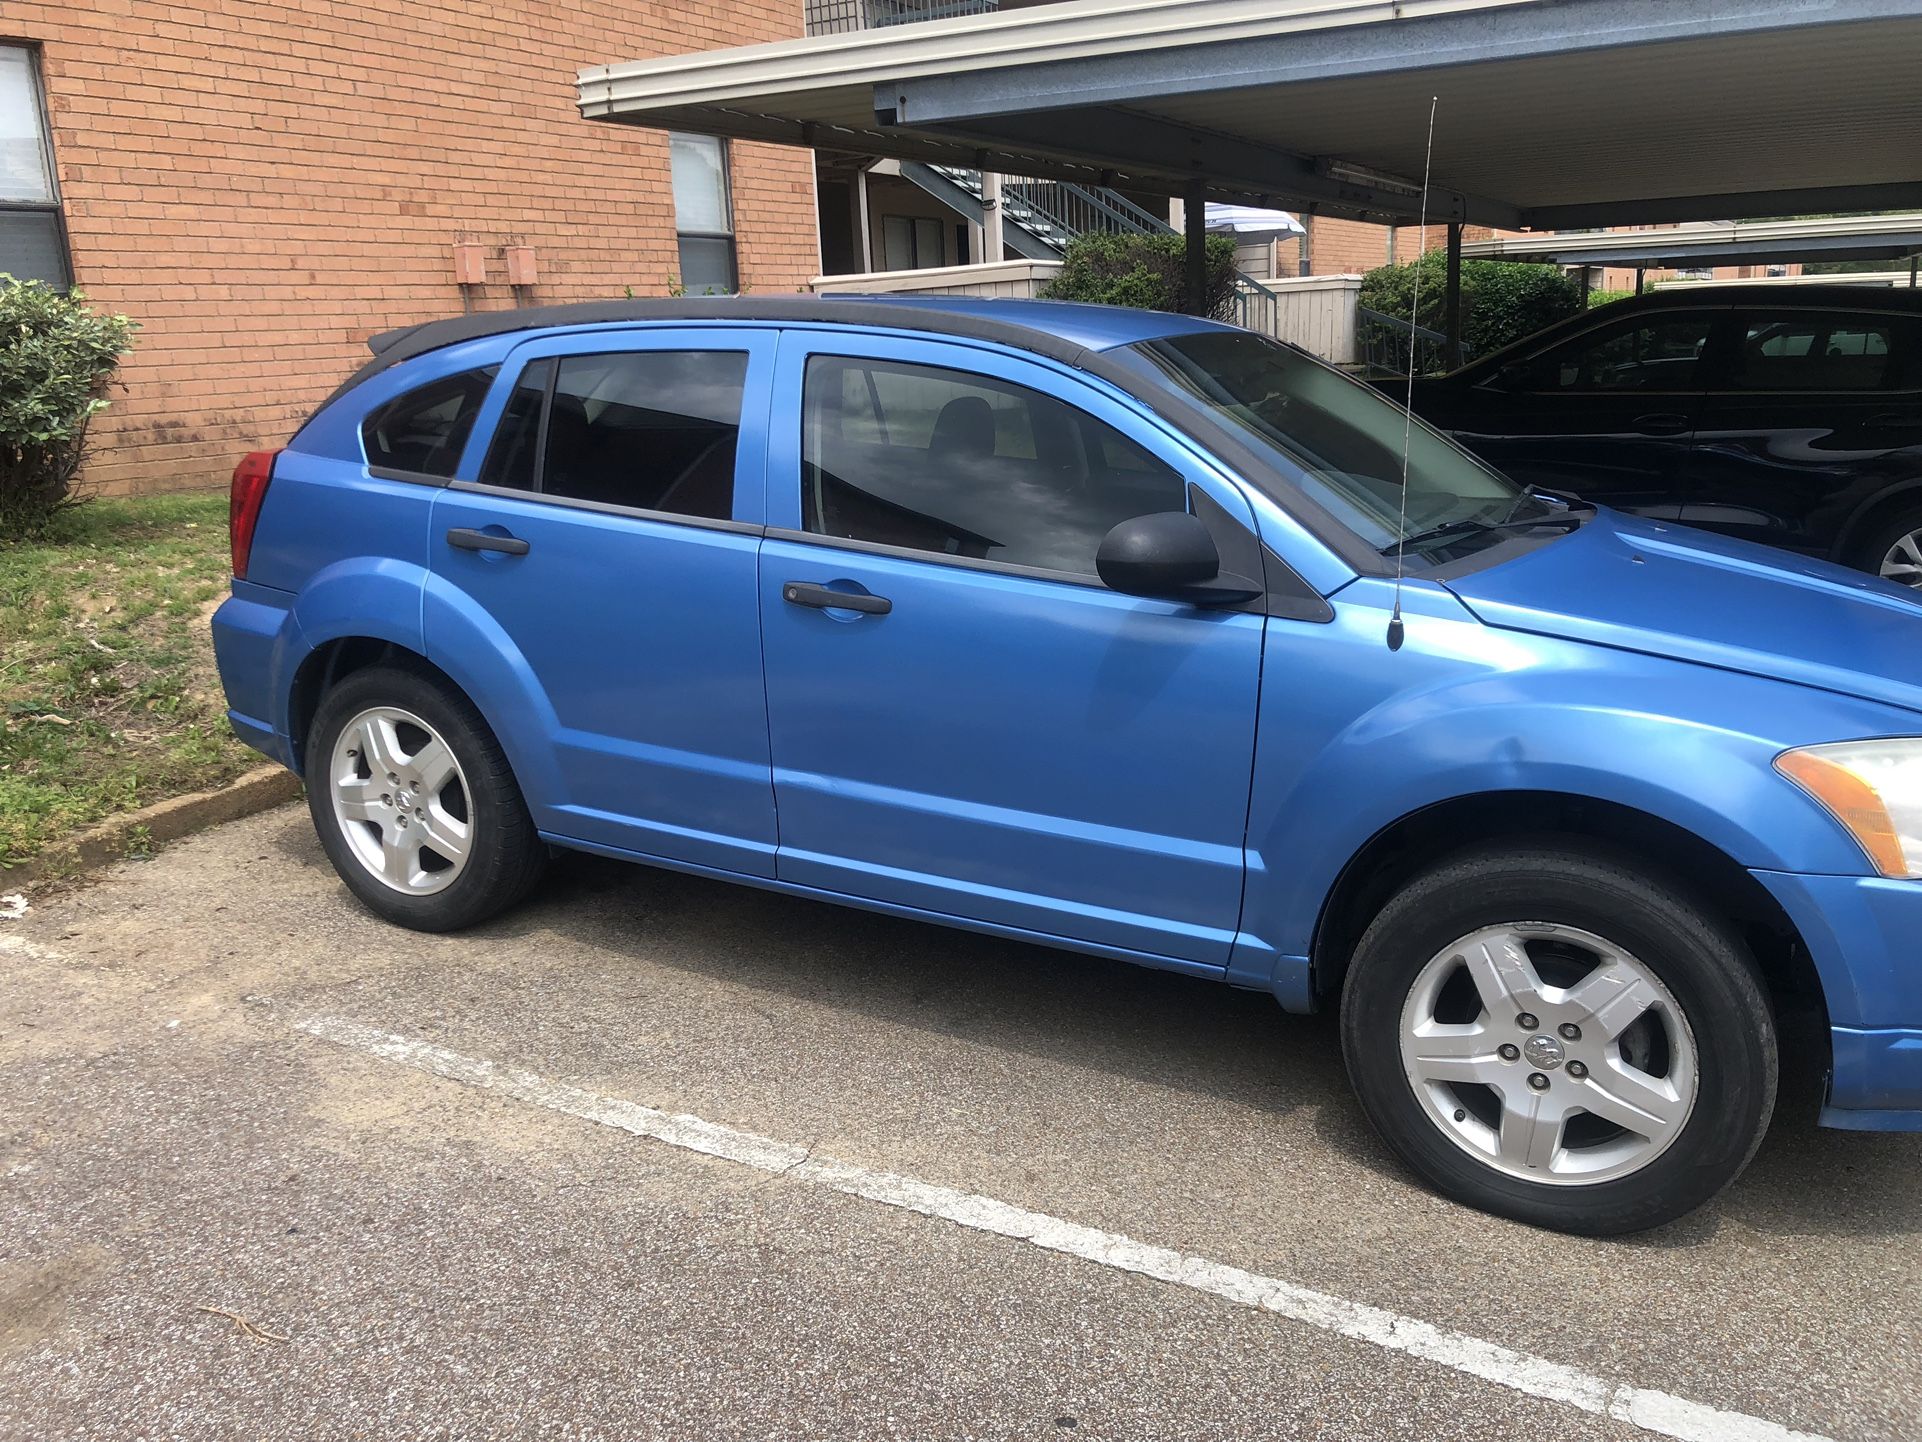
[(1568, 520)]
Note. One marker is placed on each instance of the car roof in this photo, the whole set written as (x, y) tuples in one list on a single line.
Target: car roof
[(1062, 330), (1794, 297)]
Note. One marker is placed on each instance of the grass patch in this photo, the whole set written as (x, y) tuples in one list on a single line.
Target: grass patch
[(108, 696)]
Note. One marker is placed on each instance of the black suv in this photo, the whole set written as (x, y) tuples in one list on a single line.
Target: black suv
[(1790, 415)]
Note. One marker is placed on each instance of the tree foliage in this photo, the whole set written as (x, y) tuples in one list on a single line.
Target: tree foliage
[(1148, 272), (57, 356), (1502, 301)]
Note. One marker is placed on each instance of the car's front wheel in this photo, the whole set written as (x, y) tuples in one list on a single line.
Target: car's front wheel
[(1554, 1036), (414, 801)]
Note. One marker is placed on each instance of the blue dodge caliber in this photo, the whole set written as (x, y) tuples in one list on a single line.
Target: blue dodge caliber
[(1128, 633)]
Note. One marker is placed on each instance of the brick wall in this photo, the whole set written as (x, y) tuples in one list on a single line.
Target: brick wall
[(263, 186)]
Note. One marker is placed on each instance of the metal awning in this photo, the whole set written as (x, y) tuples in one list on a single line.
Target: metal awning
[(1553, 113), (1869, 237)]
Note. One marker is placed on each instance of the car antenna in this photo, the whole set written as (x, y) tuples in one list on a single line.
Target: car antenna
[(1396, 631)]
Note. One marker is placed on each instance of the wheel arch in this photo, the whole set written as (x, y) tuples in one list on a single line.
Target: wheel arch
[(1872, 512), (331, 662), (1420, 839)]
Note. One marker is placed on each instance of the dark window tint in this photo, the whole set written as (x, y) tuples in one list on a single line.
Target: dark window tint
[(1818, 352), (961, 465), (424, 430), (654, 430), (1661, 353), (516, 444)]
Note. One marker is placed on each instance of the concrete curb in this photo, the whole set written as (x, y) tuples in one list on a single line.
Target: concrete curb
[(109, 841)]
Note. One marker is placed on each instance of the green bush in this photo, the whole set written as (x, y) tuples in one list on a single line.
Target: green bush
[(1148, 272), (1502, 301), (1597, 298), (56, 358)]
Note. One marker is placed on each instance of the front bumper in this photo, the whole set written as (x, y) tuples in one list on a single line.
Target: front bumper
[(1864, 934)]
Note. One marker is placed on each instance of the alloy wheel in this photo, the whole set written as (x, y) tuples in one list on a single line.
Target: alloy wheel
[(401, 800), (1549, 1053), (1903, 563)]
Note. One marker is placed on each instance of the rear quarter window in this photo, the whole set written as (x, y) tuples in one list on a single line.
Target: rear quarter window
[(423, 431)]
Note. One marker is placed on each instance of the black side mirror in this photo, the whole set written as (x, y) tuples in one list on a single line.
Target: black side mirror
[(1169, 555)]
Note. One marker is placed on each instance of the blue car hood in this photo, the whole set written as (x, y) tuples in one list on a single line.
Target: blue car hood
[(1672, 591)]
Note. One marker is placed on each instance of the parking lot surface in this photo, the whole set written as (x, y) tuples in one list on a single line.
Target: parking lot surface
[(658, 1157)]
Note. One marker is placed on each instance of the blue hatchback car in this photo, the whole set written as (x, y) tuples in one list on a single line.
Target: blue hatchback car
[(1128, 633)]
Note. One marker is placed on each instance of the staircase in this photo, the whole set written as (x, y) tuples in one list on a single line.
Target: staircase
[(1040, 218)]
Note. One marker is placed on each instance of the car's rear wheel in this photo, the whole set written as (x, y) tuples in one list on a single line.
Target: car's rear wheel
[(1555, 1036), (415, 804), (1892, 549)]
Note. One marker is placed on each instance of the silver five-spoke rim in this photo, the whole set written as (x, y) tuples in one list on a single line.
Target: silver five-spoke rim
[(1903, 563), (401, 800), (1549, 1053)]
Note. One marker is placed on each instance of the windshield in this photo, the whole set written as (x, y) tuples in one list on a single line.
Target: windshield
[(1343, 441)]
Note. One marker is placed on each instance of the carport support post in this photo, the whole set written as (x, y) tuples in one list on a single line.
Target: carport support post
[(1454, 295), (1194, 229)]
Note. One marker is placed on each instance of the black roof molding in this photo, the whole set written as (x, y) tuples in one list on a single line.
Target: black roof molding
[(392, 347)]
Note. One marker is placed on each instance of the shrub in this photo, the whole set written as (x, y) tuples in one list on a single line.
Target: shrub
[(1148, 272), (1598, 298), (57, 356), (1502, 301)]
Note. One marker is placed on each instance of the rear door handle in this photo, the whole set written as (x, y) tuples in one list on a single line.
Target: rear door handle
[(1662, 423), (465, 540), (825, 598)]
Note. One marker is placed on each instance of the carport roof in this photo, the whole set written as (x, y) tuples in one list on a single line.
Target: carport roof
[(1862, 237), (1553, 113)]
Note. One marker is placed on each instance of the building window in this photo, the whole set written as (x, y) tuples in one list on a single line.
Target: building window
[(911, 243), (703, 214), (33, 241)]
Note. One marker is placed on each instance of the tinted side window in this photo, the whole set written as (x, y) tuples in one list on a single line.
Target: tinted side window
[(654, 430), (961, 465), (1819, 352), (512, 454), (1661, 353), (424, 430)]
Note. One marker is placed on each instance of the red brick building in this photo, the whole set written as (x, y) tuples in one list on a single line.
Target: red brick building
[(262, 186)]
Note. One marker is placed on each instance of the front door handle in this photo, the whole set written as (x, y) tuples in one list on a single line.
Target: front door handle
[(1662, 423), (825, 598), (463, 539)]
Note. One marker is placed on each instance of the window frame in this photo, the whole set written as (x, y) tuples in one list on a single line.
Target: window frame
[(1709, 365), (751, 440), (1231, 517), (54, 205), (726, 153)]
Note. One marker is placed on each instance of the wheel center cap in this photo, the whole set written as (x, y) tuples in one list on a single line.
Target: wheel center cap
[(1543, 1052), (404, 801)]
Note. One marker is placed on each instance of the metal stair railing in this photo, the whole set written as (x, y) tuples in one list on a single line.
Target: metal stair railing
[(1391, 345)]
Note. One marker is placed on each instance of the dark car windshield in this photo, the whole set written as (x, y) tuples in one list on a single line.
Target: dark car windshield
[(1342, 441)]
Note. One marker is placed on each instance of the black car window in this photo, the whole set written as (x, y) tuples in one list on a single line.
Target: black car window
[(652, 430), (512, 454), (1816, 351), (424, 430), (959, 464), (1652, 353)]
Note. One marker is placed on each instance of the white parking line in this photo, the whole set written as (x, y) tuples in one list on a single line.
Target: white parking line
[(1653, 1411)]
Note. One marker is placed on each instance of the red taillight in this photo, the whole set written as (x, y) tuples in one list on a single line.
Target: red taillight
[(243, 504)]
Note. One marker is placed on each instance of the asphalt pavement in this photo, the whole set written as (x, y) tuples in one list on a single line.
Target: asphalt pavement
[(658, 1157)]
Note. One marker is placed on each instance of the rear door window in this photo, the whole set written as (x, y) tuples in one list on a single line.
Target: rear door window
[(959, 464), (1820, 351), (641, 430), (423, 431)]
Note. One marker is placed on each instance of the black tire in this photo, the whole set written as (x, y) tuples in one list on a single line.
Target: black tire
[(506, 855), (1686, 945), (1880, 537)]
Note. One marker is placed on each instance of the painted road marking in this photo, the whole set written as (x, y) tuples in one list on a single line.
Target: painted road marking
[(1652, 1411)]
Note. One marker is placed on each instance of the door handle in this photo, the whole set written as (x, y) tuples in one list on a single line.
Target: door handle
[(825, 598), (463, 539), (1662, 423)]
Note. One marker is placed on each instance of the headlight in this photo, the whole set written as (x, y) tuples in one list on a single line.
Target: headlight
[(1874, 789)]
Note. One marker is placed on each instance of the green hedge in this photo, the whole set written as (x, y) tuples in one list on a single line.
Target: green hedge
[(56, 357), (1502, 301), (1148, 272)]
